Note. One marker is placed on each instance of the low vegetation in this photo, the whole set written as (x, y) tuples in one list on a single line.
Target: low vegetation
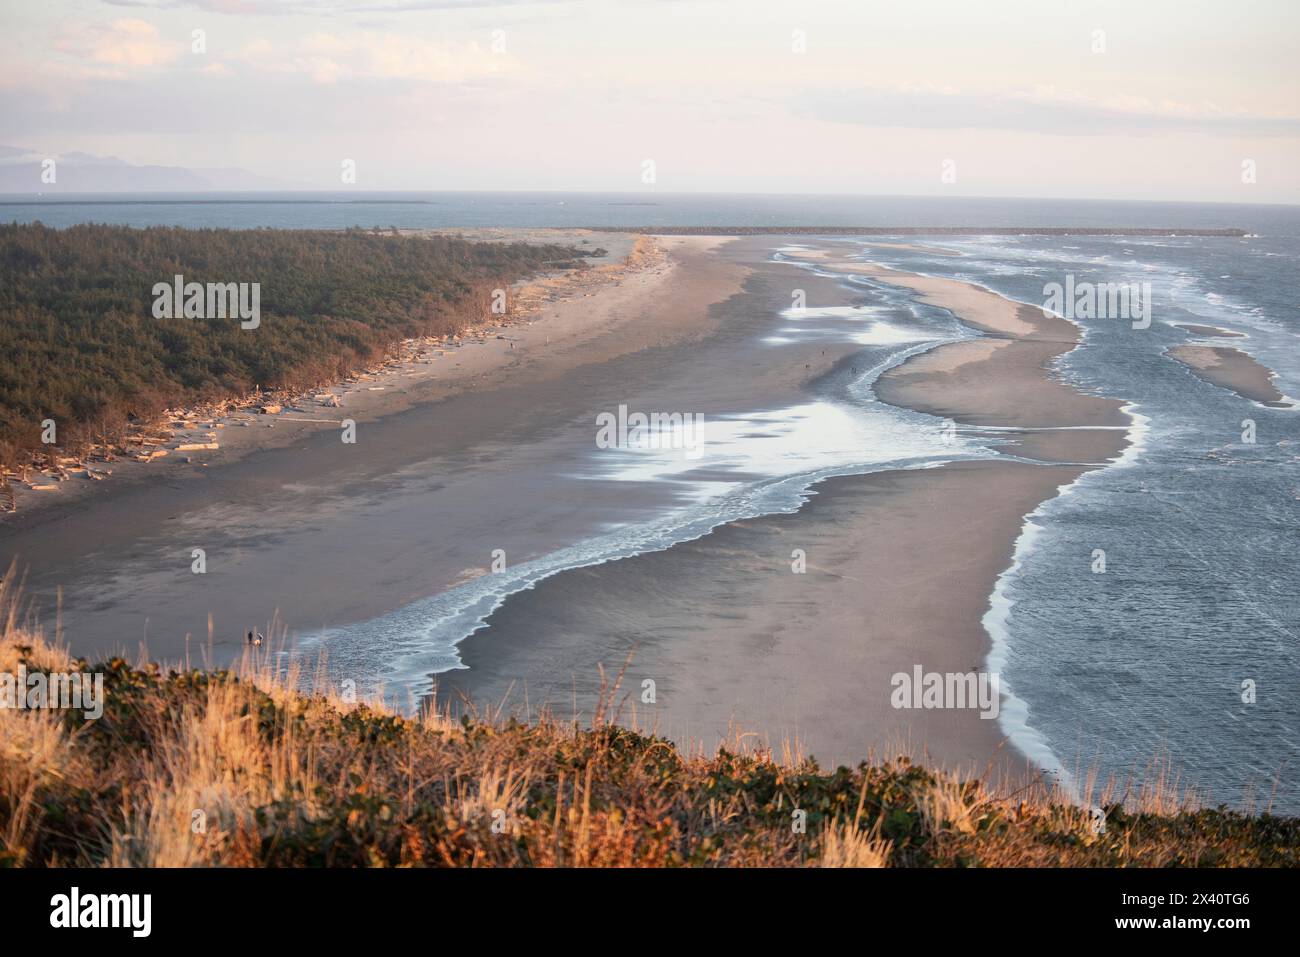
[(80, 343), (236, 768)]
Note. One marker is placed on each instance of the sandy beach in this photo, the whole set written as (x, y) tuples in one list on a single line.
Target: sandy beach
[(281, 513), (473, 454), (900, 568), (1231, 369)]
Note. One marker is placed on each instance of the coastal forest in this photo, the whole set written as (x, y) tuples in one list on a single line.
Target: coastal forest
[(80, 342)]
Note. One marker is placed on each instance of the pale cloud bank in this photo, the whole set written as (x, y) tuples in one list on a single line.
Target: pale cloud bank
[(334, 58), (1040, 111), (111, 48), (286, 7), (575, 94)]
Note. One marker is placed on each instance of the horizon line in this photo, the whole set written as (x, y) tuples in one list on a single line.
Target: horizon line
[(42, 198)]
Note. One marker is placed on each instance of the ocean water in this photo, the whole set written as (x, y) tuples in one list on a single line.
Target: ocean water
[(1199, 602), (1200, 598), (339, 210)]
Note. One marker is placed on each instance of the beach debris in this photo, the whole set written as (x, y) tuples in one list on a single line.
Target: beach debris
[(271, 409)]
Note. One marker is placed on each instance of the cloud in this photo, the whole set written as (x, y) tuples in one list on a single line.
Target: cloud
[(1043, 110), (116, 47), (332, 58), (273, 7)]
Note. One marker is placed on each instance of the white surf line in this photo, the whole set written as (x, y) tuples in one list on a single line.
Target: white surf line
[(1013, 718), (447, 619), (1046, 428)]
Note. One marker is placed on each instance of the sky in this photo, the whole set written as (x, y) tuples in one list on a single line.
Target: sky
[(1181, 100)]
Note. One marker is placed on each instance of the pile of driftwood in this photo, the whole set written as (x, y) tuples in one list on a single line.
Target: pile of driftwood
[(195, 429), (47, 469)]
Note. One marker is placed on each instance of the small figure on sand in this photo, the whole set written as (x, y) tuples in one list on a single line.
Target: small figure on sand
[(255, 638)]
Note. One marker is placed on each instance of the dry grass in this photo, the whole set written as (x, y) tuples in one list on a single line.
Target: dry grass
[(845, 844), (195, 768)]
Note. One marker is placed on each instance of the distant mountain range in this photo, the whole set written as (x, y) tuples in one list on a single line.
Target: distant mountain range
[(21, 169)]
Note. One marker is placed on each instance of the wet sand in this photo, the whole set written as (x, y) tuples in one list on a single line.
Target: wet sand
[(899, 569), (1231, 369)]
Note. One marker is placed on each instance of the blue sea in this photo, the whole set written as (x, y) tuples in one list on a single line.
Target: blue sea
[(1187, 644), (339, 210)]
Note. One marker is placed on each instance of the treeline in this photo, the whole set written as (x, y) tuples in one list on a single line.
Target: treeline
[(80, 344)]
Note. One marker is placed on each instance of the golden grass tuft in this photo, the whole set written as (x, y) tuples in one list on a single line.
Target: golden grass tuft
[(844, 845)]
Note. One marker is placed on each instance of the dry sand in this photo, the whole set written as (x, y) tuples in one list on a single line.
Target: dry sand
[(1231, 369), (1005, 378), (980, 308)]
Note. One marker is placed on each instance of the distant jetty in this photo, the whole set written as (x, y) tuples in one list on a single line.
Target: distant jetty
[(918, 231)]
